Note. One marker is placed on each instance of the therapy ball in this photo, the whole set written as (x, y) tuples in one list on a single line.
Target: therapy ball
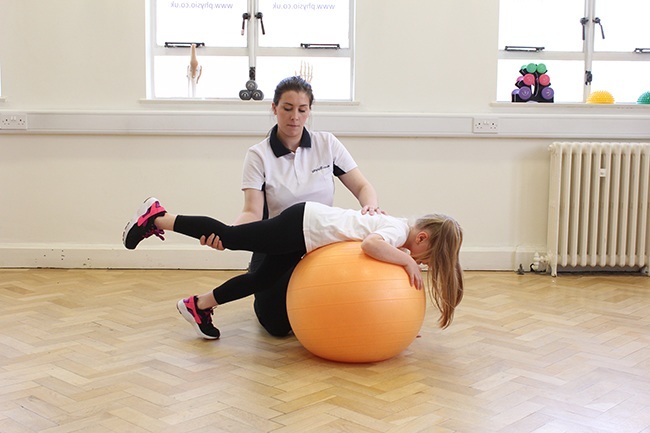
[(600, 97), (644, 98), (348, 307)]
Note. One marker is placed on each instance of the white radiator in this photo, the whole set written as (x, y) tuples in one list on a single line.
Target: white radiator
[(598, 214)]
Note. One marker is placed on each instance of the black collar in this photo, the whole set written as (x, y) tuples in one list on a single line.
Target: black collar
[(279, 149)]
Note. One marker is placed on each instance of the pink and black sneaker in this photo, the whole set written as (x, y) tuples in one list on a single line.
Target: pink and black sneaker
[(142, 224), (200, 319)]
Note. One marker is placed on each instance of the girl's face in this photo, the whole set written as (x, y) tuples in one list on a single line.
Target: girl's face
[(292, 113)]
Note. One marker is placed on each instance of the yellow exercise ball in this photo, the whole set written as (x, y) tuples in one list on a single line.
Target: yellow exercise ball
[(348, 307), (600, 97)]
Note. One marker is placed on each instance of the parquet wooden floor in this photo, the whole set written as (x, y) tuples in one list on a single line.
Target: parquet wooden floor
[(106, 351)]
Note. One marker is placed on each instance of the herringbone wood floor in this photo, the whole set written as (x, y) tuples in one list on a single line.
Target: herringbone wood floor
[(106, 351)]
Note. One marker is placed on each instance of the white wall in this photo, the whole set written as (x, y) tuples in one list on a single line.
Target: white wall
[(94, 149)]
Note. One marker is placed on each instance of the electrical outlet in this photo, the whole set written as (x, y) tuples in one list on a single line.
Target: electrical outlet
[(13, 121), (484, 125)]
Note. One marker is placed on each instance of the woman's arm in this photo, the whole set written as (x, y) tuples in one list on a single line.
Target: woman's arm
[(252, 211), (377, 248), (362, 189), (253, 207)]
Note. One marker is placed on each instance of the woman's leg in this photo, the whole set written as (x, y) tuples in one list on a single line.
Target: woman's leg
[(271, 304)]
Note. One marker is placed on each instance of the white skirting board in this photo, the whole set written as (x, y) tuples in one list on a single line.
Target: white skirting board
[(110, 257)]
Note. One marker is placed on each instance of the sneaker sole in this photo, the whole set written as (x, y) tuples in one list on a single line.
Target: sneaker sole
[(141, 211), (180, 306)]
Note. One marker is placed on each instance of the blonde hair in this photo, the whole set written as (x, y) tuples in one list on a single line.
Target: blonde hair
[(445, 275)]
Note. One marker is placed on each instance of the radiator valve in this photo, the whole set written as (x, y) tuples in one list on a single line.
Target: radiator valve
[(539, 263)]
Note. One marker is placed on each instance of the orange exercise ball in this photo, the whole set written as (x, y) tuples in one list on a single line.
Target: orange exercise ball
[(348, 307)]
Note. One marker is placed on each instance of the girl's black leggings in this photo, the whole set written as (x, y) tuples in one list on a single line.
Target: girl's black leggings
[(280, 238)]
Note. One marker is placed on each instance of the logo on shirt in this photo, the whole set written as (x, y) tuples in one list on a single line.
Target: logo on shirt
[(322, 167)]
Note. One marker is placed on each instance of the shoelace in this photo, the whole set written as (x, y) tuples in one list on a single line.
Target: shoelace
[(155, 231), (205, 316)]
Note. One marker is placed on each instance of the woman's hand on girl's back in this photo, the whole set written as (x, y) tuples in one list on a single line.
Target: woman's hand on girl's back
[(372, 210)]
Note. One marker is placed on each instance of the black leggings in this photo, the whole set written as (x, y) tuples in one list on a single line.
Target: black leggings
[(271, 303), (280, 238)]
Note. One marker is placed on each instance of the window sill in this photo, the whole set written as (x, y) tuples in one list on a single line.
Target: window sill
[(558, 107), (202, 102)]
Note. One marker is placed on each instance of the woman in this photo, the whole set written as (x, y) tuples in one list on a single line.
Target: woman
[(290, 166)]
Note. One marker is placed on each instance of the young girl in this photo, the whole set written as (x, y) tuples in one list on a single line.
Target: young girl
[(433, 240)]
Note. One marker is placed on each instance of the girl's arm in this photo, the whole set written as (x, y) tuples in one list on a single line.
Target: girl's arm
[(377, 248)]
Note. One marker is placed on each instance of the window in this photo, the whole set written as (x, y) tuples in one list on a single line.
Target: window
[(585, 45), (246, 45)]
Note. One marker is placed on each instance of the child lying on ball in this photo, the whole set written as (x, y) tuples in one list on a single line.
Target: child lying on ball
[(433, 240)]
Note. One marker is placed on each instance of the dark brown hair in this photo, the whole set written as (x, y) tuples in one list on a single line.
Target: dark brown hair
[(296, 84)]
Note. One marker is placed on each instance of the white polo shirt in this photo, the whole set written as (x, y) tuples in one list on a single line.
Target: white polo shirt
[(324, 225), (289, 178)]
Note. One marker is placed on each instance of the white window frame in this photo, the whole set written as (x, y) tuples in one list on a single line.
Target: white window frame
[(253, 51), (588, 55)]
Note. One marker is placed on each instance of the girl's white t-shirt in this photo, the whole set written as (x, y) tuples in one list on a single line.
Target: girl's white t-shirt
[(323, 225)]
